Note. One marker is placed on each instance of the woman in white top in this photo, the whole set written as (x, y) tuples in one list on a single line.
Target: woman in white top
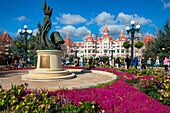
[(81, 61), (157, 63)]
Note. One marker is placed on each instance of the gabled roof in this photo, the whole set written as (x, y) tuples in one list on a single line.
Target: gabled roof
[(147, 38), (106, 29), (5, 37), (68, 41), (89, 38), (122, 37)]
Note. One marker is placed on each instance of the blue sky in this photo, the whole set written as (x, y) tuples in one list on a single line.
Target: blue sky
[(76, 17)]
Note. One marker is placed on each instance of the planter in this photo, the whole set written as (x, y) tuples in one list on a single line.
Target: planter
[(139, 44), (126, 45)]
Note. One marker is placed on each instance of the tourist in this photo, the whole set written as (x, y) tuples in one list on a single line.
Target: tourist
[(110, 60), (127, 61), (9, 60), (15, 63), (20, 63), (166, 64), (90, 62), (156, 63), (81, 61), (143, 63), (117, 62), (29, 61), (135, 62), (149, 63), (67, 60)]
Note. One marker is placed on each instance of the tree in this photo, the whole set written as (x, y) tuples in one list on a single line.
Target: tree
[(21, 51), (161, 41)]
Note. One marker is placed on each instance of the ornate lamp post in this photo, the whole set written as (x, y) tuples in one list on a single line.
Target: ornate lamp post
[(75, 50), (132, 31), (25, 33), (111, 49), (163, 49)]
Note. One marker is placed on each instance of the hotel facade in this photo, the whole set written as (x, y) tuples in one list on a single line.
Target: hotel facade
[(94, 47)]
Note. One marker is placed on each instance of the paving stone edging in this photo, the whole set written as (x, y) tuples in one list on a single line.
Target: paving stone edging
[(114, 77)]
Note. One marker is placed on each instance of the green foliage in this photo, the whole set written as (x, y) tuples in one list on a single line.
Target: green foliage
[(31, 46), (126, 45), (161, 41), (19, 99), (158, 87), (139, 44), (32, 39)]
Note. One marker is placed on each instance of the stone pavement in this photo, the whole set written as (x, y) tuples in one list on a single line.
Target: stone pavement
[(82, 78)]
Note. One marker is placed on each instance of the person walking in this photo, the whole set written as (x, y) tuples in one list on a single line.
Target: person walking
[(143, 63), (127, 60), (135, 62), (149, 63), (157, 63), (166, 64), (81, 61), (67, 60), (117, 62)]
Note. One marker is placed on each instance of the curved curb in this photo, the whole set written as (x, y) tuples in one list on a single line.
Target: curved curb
[(114, 77)]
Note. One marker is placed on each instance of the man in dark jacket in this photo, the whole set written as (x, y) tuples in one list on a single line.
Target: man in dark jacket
[(127, 60)]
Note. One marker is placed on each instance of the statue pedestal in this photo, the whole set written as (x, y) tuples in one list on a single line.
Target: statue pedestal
[(48, 67)]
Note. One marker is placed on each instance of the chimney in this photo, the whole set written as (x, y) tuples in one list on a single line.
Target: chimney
[(96, 37)]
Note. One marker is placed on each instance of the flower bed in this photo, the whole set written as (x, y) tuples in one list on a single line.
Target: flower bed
[(119, 96)]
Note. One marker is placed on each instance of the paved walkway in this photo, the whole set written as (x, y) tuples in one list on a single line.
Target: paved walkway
[(81, 79)]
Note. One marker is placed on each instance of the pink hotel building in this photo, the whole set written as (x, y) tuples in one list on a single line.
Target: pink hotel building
[(91, 47)]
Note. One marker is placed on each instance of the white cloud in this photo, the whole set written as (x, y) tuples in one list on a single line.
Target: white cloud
[(73, 32), (126, 19), (104, 17), (54, 23), (71, 19), (114, 30), (166, 5), (35, 31), (22, 18), (90, 22), (57, 27)]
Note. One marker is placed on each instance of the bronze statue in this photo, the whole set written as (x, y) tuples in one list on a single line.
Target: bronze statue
[(43, 41)]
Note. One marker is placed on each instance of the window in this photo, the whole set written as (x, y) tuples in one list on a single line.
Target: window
[(113, 44), (122, 50), (81, 44), (89, 43), (105, 51), (97, 51), (127, 51), (82, 51), (104, 46), (89, 47), (77, 44), (85, 51), (82, 47), (117, 51), (106, 43), (71, 51), (89, 51), (93, 51), (97, 43), (113, 51)]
